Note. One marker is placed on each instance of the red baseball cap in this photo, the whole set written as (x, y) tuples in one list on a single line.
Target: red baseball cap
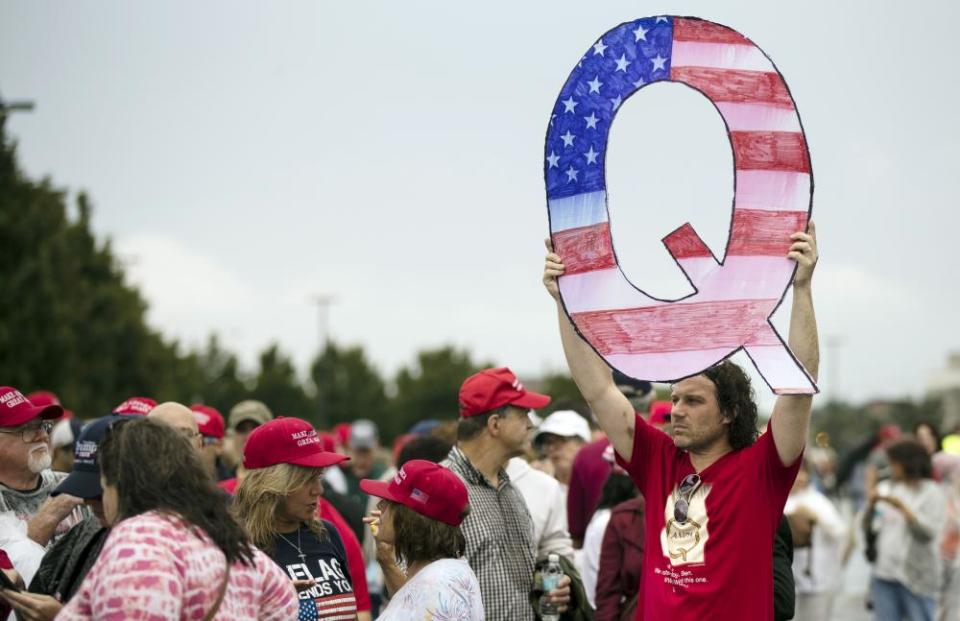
[(287, 441), (491, 389), (209, 420), (136, 406), (327, 441), (15, 409), (42, 398), (427, 488), (660, 412), (341, 433)]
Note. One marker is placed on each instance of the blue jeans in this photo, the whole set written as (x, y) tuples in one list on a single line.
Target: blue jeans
[(894, 602)]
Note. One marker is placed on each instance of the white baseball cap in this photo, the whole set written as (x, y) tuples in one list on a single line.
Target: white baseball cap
[(565, 423)]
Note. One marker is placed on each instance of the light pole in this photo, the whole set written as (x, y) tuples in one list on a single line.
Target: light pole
[(834, 343), (7, 107), (323, 301)]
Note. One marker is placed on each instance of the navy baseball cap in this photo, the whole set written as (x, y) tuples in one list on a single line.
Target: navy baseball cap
[(84, 479)]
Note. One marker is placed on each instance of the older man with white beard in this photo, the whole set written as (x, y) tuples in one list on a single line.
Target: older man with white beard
[(25, 476)]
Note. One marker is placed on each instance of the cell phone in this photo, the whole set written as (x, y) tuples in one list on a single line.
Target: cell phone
[(7, 583)]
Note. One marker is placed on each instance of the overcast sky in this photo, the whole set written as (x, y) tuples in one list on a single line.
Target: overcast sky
[(245, 156)]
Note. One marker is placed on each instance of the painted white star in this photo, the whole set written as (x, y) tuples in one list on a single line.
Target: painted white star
[(639, 83), (553, 158), (591, 121), (662, 18), (595, 85), (658, 63), (568, 139), (591, 156), (572, 174), (622, 63), (569, 104), (599, 48), (552, 117), (640, 33), (616, 102)]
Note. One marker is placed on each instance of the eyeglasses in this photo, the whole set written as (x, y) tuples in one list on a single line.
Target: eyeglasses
[(31, 432), (681, 507)]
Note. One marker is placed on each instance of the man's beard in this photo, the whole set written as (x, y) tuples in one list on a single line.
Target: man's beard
[(39, 458)]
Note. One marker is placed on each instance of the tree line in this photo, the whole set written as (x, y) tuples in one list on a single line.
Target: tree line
[(71, 324)]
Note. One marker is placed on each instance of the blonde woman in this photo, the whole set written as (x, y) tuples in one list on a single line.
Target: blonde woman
[(277, 504)]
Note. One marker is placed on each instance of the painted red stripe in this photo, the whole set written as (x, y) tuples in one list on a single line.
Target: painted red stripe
[(586, 248), (736, 85), (685, 29), (759, 232), (684, 243), (770, 151), (678, 327)]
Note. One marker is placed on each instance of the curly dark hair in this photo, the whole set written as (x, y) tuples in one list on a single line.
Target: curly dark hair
[(735, 398), (154, 468), (419, 538)]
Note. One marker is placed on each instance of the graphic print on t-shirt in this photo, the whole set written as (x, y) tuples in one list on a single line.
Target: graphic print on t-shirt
[(324, 562), (684, 542)]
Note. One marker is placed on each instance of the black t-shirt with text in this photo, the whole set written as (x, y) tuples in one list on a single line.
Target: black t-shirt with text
[(324, 561)]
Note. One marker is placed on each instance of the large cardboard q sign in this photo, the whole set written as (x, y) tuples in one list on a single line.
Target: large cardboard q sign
[(665, 340)]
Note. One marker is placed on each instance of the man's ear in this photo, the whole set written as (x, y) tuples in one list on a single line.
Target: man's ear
[(493, 424), (726, 418)]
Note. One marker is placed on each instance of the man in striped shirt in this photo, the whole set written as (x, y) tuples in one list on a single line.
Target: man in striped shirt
[(495, 426)]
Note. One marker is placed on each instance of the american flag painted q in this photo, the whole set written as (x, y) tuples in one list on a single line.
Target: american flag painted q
[(665, 340)]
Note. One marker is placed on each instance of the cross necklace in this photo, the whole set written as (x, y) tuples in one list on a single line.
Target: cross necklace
[(303, 557)]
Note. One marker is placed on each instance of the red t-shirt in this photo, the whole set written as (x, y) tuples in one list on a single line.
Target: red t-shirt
[(4, 564), (718, 564)]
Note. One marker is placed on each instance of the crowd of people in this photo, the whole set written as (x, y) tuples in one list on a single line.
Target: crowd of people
[(680, 509)]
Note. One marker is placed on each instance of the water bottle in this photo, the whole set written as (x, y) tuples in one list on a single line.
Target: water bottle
[(550, 578)]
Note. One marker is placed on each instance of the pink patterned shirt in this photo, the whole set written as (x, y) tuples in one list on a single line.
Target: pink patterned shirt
[(154, 567)]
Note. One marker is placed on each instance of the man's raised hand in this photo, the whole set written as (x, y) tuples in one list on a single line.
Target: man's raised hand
[(804, 252), (553, 267)]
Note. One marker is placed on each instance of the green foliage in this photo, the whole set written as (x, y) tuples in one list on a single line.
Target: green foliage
[(69, 323), (428, 388), (277, 385), (564, 394), (221, 382), (848, 425), (347, 387)]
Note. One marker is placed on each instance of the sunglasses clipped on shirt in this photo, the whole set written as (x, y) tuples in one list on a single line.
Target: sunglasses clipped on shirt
[(681, 507)]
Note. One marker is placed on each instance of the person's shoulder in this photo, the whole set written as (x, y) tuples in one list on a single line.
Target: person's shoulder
[(264, 566), (449, 569), (592, 451), (518, 468), (159, 528), (930, 487), (52, 478), (633, 505)]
